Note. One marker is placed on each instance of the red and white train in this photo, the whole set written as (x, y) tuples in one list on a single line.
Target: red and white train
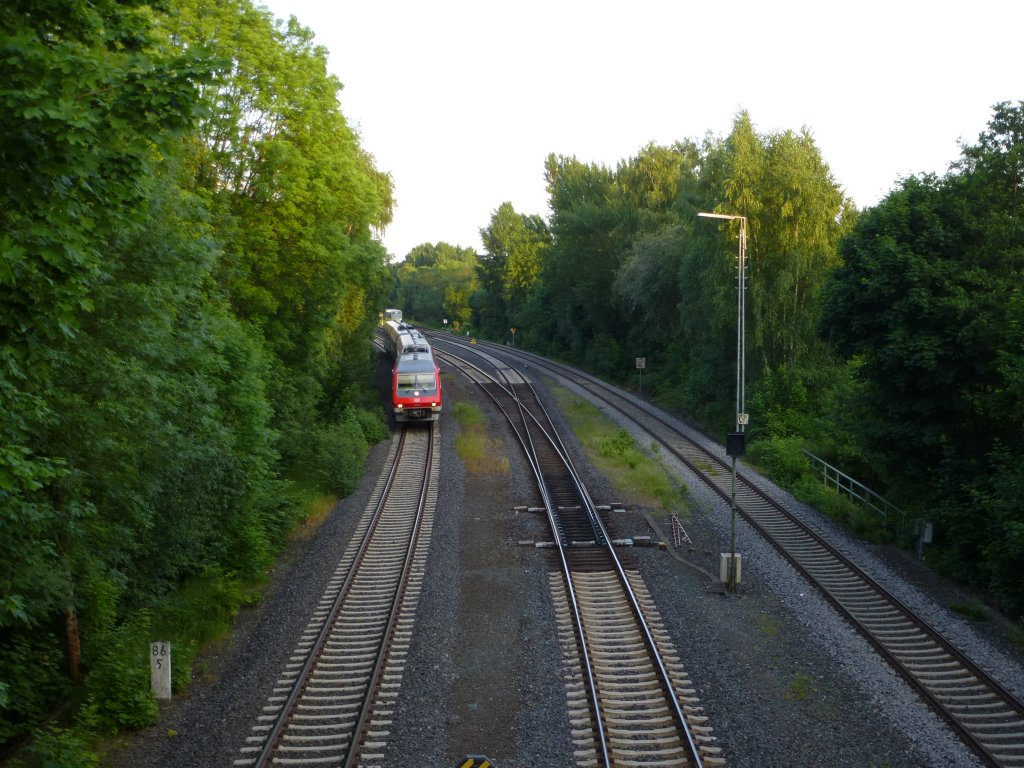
[(415, 378)]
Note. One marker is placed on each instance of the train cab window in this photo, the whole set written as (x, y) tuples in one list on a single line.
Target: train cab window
[(421, 381)]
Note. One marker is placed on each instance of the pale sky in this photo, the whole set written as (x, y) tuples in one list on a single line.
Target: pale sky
[(462, 100)]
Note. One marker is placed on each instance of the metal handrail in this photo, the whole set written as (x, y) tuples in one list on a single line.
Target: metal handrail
[(854, 489)]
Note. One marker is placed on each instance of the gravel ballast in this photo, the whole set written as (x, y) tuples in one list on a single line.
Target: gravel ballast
[(783, 679)]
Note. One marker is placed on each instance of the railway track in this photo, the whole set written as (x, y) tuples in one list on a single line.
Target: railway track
[(331, 705), (630, 700), (987, 717)]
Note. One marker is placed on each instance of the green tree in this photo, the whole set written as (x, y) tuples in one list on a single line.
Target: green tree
[(927, 303), (92, 108), (647, 284), (569, 313), (795, 214), (583, 305), (647, 288), (490, 311), (88, 103), (436, 282), (804, 216), (909, 302), (704, 334), (182, 282), (648, 183), (296, 191), (297, 203), (515, 246)]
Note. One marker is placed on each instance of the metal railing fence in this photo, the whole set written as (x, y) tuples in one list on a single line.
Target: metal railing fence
[(856, 490)]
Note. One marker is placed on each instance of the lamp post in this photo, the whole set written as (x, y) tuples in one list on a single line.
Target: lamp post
[(736, 441)]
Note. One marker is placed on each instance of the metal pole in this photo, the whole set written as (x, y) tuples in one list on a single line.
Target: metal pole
[(742, 325), (741, 370), (739, 338), (731, 580), (741, 380)]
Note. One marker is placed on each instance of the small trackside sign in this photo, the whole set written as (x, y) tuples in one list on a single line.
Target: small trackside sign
[(475, 761)]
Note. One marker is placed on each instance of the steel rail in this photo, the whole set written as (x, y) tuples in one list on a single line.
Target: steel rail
[(359, 731), (278, 728), (602, 737), (971, 738), (634, 602), (602, 536), (285, 713)]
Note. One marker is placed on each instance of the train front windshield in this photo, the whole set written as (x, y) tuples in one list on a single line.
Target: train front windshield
[(422, 382)]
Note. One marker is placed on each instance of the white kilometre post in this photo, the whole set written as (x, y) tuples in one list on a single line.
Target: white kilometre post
[(160, 669)]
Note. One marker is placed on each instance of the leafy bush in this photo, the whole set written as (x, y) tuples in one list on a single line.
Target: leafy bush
[(200, 611), (784, 461), (336, 455), (782, 458), (32, 668), (622, 446), (373, 423), (972, 610), (59, 748), (865, 522), (118, 679), (278, 508), (980, 530), (1016, 635)]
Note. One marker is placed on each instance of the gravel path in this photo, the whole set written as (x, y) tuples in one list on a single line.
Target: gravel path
[(784, 681)]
